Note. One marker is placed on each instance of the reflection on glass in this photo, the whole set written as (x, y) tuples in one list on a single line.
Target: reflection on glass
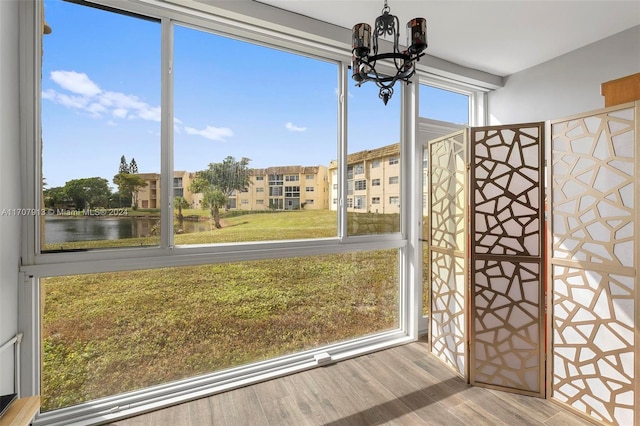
[(373, 163), (110, 333), (100, 129), (252, 148)]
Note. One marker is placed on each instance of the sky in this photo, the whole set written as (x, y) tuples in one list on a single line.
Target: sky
[(101, 97)]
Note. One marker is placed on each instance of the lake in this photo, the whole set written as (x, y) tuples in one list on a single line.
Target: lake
[(86, 228)]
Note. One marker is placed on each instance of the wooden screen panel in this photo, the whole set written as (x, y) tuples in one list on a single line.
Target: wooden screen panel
[(447, 250), (507, 240), (594, 263)]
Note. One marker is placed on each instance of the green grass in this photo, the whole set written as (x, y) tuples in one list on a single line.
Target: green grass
[(110, 333)]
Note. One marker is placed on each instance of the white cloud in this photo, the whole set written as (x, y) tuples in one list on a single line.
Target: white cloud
[(210, 132), (76, 82), (86, 96), (293, 128)]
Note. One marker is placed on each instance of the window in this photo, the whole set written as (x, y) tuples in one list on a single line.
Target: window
[(275, 191), (375, 200), (393, 180), (292, 191), (133, 329), (375, 182), (443, 105), (393, 161), (394, 200), (350, 185), (90, 190), (372, 145)]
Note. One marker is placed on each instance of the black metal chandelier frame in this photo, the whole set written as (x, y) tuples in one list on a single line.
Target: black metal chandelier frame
[(364, 64)]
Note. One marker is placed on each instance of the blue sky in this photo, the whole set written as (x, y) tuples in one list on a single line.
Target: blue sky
[(101, 100)]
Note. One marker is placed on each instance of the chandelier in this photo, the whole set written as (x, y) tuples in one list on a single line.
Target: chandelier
[(364, 64)]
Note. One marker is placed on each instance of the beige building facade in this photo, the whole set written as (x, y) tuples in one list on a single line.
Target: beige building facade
[(149, 196), (373, 181)]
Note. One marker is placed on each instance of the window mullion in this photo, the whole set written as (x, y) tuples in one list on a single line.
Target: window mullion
[(166, 150)]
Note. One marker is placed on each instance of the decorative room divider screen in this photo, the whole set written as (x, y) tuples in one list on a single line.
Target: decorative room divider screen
[(594, 183), (491, 295)]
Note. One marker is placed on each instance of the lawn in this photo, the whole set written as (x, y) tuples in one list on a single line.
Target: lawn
[(110, 333)]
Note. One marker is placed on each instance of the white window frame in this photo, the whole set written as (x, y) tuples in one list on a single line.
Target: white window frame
[(36, 265)]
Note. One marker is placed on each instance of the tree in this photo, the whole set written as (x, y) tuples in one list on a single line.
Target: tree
[(88, 192), (124, 167), (129, 185), (133, 166), (219, 181), (54, 197), (180, 203)]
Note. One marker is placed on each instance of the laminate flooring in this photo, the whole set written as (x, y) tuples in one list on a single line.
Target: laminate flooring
[(404, 385)]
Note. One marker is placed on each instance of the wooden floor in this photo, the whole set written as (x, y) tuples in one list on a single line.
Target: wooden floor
[(403, 385)]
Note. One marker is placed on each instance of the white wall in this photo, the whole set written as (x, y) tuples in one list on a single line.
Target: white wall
[(10, 185), (567, 85)]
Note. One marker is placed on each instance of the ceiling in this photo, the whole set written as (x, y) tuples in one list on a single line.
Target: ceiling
[(499, 37)]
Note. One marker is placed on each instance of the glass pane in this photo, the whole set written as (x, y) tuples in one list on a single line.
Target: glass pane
[(255, 130), (110, 333), (426, 262), (443, 105), (100, 129), (373, 162)]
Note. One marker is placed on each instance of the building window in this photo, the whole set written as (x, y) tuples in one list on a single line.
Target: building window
[(275, 180), (358, 169), (310, 201), (375, 182), (310, 189), (359, 202), (335, 186), (259, 201), (259, 178), (335, 201), (360, 185), (259, 189), (394, 201), (349, 172), (394, 160), (375, 200), (309, 177), (350, 185), (178, 192), (244, 201), (375, 164), (292, 191), (292, 178), (350, 202), (393, 180), (275, 191), (177, 182)]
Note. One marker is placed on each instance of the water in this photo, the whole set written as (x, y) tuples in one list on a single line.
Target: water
[(87, 228)]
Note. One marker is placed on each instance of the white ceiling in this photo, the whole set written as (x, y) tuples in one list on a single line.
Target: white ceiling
[(499, 37)]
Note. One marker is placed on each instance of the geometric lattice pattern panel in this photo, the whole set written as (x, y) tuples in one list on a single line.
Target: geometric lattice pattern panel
[(594, 317), (507, 177), (594, 189), (448, 195), (594, 264), (448, 319), (507, 240), (448, 250), (507, 326)]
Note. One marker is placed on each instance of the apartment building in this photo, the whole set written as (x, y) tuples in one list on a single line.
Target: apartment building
[(284, 188), (149, 196), (373, 181)]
